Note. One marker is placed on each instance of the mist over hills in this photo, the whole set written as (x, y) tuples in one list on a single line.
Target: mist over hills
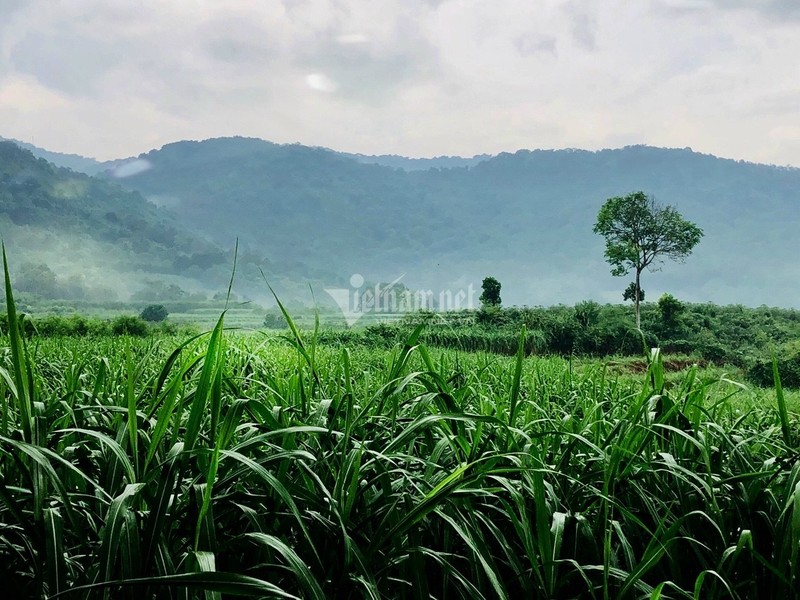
[(75, 237), (525, 218)]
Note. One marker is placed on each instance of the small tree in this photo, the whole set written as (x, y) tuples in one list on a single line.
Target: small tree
[(587, 313), (154, 313), (275, 320), (491, 293), (640, 233), (670, 308)]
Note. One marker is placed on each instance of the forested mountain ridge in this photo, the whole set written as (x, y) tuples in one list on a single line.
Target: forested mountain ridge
[(75, 237), (524, 217), (75, 162)]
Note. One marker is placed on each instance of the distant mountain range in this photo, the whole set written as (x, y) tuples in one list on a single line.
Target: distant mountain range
[(445, 223)]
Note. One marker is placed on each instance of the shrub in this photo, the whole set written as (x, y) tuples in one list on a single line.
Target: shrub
[(129, 325), (154, 313), (275, 320), (788, 369)]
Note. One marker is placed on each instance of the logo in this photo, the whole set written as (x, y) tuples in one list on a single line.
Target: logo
[(392, 300)]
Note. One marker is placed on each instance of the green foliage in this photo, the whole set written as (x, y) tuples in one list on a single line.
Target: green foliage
[(761, 373), (491, 315), (36, 194), (154, 313), (490, 296), (66, 219), (630, 293), (732, 335), (284, 189), (159, 291), (587, 313), (285, 468), (670, 308), (55, 326), (129, 325), (639, 233), (275, 320)]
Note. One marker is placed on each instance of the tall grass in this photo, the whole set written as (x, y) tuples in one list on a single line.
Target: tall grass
[(222, 465)]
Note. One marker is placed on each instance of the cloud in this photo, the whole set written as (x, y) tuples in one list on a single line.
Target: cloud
[(320, 82), (583, 23), (9, 7), (531, 44), (413, 77), (779, 9), (367, 50), (66, 62), (28, 96), (772, 9)]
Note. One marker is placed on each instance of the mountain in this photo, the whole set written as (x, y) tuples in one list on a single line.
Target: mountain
[(91, 166), (75, 237), (525, 218), (419, 164), (74, 162)]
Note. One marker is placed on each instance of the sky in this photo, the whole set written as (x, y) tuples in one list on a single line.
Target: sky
[(114, 78)]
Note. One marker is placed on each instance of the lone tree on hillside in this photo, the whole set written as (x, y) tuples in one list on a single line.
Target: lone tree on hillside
[(640, 233), (490, 296)]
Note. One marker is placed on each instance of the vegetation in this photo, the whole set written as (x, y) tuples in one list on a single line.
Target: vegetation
[(671, 309), (292, 469), (639, 233), (129, 325), (541, 204), (490, 295), (632, 293), (528, 216), (725, 335), (275, 320), (399, 460), (154, 313), (60, 218)]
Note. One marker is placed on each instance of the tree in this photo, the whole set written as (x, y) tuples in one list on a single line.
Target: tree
[(631, 293), (275, 320), (670, 308), (491, 292), (37, 279), (154, 313), (640, 233), (587, 313)]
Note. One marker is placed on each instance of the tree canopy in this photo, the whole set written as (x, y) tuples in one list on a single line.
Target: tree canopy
[(490, 296), (640, 233)]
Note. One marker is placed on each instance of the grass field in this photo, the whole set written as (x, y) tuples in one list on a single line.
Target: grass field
[(249, 465)]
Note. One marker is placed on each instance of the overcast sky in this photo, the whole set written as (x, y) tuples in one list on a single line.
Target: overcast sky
[(113, 78)]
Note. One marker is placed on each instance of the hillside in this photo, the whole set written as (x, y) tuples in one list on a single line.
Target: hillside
[(75, 162), (525, 218), (418, 164), (74, 237)]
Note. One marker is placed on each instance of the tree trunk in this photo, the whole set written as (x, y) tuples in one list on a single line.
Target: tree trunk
[(636, 302)]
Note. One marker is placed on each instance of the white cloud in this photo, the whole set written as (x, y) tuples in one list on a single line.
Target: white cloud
[(320, 82), (412, 77)]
